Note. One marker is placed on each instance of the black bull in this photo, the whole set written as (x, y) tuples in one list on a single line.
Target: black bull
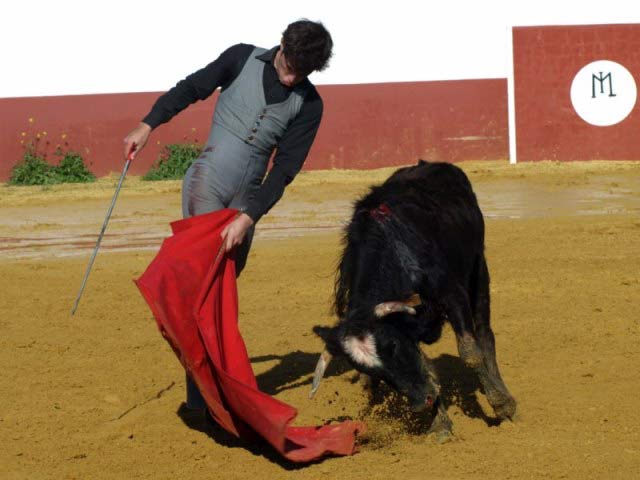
[(414, 258)]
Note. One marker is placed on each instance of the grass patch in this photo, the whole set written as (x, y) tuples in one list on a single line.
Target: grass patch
[(174, 161), (34, 170)]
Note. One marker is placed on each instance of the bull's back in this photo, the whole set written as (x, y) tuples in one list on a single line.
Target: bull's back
[(424, 218), (438, 200), (435, 201), (444, 179), (438, 195), (441, 190)]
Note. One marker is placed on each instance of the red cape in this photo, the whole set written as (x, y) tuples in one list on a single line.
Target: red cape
[(192, 293)]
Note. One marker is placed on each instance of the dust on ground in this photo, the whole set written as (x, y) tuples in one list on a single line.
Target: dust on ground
[(97, 395)]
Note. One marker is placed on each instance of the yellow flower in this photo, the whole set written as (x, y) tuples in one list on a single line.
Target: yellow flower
[(158, 142), (37, 135), (193, 130), (24, 134), (44, 134), (30, 119), (63, 136)]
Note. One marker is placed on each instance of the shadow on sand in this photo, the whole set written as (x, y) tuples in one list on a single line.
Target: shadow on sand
[(459, 384)]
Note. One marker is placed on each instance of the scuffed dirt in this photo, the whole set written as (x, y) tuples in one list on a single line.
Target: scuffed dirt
[(97, 395)]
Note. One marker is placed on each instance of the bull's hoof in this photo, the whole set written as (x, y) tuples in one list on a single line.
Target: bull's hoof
[(441, 427), (443, 436), (441, 430), (516, 417), (505, 408)]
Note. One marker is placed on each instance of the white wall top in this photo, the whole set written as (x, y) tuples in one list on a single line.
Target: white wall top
[(76, 47)]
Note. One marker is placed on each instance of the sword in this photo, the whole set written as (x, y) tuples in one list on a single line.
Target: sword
[(104, 227)]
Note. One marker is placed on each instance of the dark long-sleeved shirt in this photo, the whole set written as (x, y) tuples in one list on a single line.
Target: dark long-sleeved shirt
[(295, 143)]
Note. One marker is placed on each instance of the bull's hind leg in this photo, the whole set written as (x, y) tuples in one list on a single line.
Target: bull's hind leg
[(477, 353), (497, 392)]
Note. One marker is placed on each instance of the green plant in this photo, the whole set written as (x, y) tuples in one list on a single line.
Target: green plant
[(32, 170), (174, 161), (72, 169)]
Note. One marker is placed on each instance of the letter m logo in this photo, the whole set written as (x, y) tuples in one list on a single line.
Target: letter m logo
[(601, 79)]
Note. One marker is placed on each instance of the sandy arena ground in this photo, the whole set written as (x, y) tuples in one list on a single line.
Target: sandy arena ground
[(97, 395)]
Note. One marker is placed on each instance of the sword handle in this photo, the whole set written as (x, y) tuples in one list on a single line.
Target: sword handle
[(132, 151)]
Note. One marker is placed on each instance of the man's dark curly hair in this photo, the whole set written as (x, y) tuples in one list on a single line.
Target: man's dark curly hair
[(307, 46)]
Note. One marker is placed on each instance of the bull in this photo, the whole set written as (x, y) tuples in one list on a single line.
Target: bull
[(414, 259)]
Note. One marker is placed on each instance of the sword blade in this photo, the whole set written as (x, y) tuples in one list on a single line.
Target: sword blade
[(104, 227)]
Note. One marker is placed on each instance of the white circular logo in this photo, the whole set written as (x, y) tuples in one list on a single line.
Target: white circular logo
[(603, 93)]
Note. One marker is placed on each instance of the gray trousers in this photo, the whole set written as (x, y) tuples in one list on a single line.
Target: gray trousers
[(226, 175), (200, 195)]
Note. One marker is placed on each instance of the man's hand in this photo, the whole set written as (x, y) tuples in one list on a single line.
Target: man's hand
[(136, 140), (233, 234)]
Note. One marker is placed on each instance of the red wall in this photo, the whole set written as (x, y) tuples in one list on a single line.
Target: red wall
[(375, 125), (365, 126), (546, 59)]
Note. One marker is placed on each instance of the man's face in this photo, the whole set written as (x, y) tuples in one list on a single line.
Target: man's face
[(287, 76)]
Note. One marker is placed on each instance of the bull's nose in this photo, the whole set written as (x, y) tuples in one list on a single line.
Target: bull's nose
[(429, 401), (427, 404), (420, 404)]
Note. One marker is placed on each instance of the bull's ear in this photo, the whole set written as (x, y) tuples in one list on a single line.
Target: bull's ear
[(331, 337), (422, 162)]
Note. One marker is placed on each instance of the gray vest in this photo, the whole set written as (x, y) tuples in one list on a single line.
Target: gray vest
[(242, 110)]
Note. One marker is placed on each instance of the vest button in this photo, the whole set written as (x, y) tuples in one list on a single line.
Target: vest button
[(250, 137), (254, 129)]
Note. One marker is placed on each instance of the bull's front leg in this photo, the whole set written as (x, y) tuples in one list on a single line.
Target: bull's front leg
[(458, 311), (371, 385), (441, 427)]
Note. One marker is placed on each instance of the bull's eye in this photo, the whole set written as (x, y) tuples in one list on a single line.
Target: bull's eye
[(389, 348)]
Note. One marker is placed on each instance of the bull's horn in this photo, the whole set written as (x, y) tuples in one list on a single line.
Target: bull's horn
[(384, 309), (321, 366)]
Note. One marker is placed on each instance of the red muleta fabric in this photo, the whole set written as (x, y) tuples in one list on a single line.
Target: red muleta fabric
[(192, 293)]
